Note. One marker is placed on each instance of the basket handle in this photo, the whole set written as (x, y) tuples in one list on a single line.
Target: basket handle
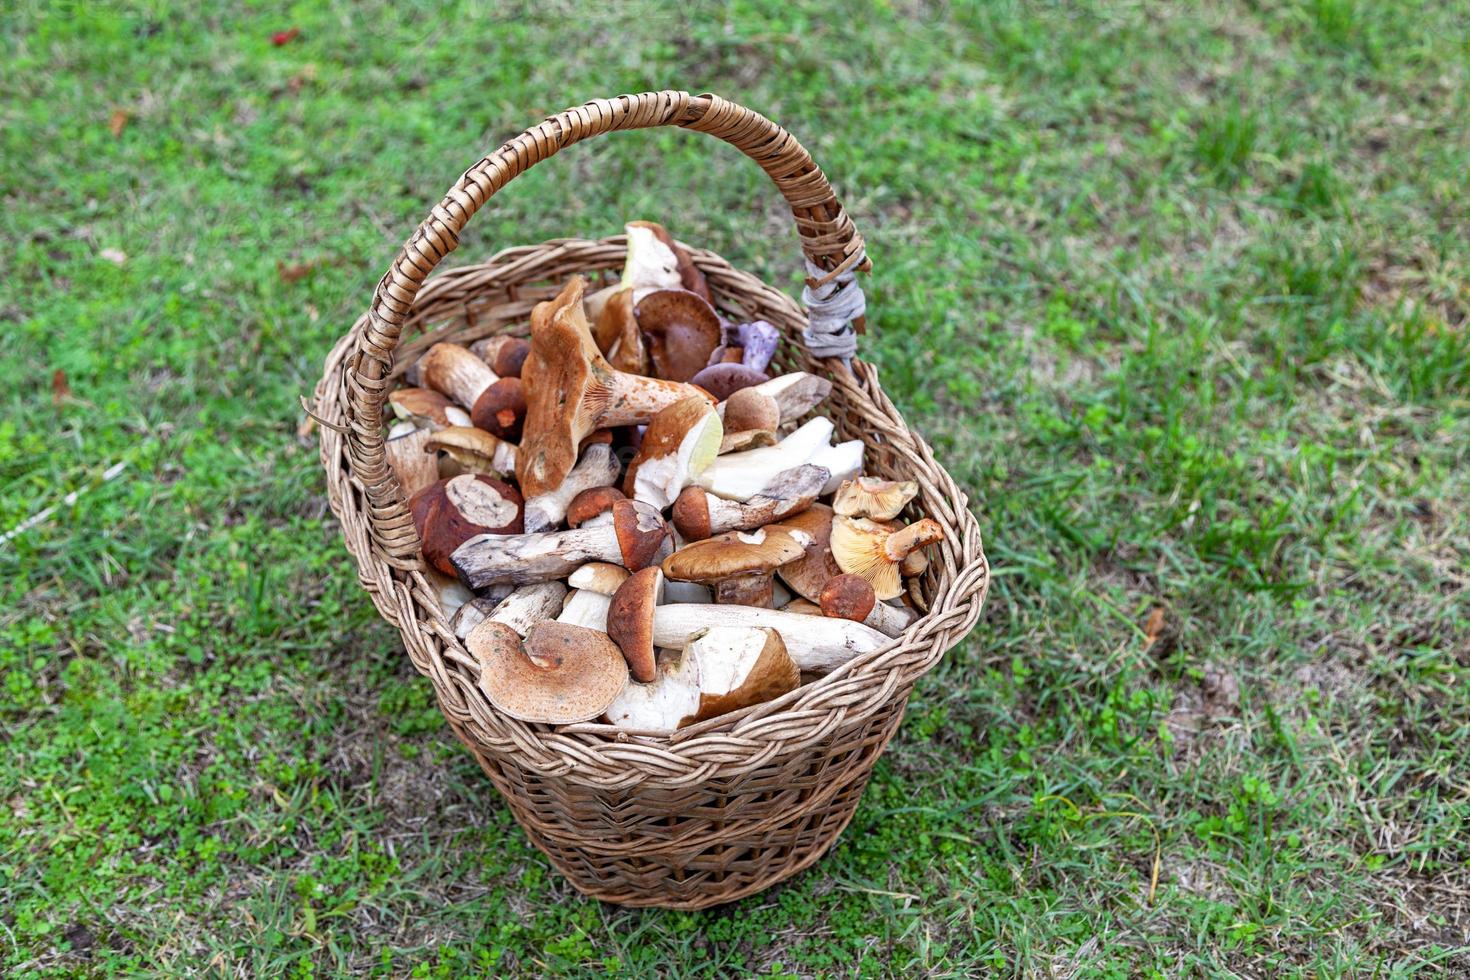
[(828, 239)]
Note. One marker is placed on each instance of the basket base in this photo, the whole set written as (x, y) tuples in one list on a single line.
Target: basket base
[(709, 844)]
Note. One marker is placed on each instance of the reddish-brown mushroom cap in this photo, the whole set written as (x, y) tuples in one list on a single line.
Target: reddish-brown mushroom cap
[(691, 514), (590, 503), (510, 355), (751, 420), (681, 330), (723, 380), (848, 597), (641, 533), (809, 574), (447, 513), (560, 674), (630, 620), (501, 409)]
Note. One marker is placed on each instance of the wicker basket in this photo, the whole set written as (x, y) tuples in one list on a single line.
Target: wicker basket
[(737, 803)]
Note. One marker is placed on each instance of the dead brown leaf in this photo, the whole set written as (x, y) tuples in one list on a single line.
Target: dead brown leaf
[(1153, 627), (118, 121), (294, 272), (60, 390)]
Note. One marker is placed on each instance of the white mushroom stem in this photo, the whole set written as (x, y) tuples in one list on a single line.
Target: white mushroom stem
[(843, 462), (817, 644), (677, 592), (451, 591), (405, 449), (453, 371), (889, 619), (529, 605), (740, 476), (587, 609), (470, 615), (598, 467), (790, 492)]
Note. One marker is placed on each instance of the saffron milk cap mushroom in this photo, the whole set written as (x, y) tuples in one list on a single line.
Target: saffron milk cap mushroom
[(870, 497), (560, 674), (571, 391), (875, 551)]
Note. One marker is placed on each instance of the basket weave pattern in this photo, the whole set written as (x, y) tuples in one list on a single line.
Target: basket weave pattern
[(727, 807)]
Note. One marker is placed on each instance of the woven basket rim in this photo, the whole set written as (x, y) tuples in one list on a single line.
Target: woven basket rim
[(739, 741)]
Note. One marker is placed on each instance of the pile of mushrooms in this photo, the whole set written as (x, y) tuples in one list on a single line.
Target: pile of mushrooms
[(630, 518)]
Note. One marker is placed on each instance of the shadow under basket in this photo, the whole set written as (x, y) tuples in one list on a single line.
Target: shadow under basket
[(737, 803)]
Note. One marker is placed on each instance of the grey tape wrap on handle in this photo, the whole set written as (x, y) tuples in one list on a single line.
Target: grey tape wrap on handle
[(831, 308)]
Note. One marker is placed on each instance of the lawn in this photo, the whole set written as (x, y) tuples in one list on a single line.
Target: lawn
[(1179, 292)]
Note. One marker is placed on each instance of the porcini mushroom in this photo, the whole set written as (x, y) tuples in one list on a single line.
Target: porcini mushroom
[(407, 457), (724, 379), (452, 370), (681, 330), (852, 597), (681, 442), (740, 666), (737, 565), (501, 408), (698, 514), (597, 468), (797, 393), (656, 261), (666, 702), (629, 620), (634, 540), (426, 408), (617, 335), (503, 353), (593, 506), (598, 576), (875, 551), (586, 608), (560, 674), (528, 605), (842, 462), (572, 391), (873, 498), (740, 476), (809, 574), (473, 450), (447, 513), (750, 420)]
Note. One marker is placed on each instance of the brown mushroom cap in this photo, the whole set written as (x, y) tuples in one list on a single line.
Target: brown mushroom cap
[(874, 551), (501, 409), (751, 420), (426, 407), (447, 513), (871, 497), (691, 514), (562, 674), (741, 666), (590, 503), (641, 533), (681, 328), (454, 371), (630, 620), (618, 336), (809, 574), (475, 450), (737, 564), (848, 597), (723, 380), (510, 355)]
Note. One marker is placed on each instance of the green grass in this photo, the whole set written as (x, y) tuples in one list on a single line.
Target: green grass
[(1178, 292)]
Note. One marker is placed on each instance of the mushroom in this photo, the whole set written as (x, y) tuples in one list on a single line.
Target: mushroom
[(687, 592), (842, 462), (572, 391), (528, 605), (719, 671), (597, 468), (874, 551), (452, 370), (447, 513), (559, 675), (680, 444), (724, 379), (470, 615), (809, 574), (681, 329), (656, 261), (450, 591), (426, 408), (698, 514), (879, 500), (598, 576), (617, 334), (474, 450), (593, 506), (803, 607), (797, 393), (852, 597), (503, 353), (750, 420), (757, 341), (407, 457), (587, 608), (740, 476), (737, 565), (629, 620), (501, 409), (633, 540)]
